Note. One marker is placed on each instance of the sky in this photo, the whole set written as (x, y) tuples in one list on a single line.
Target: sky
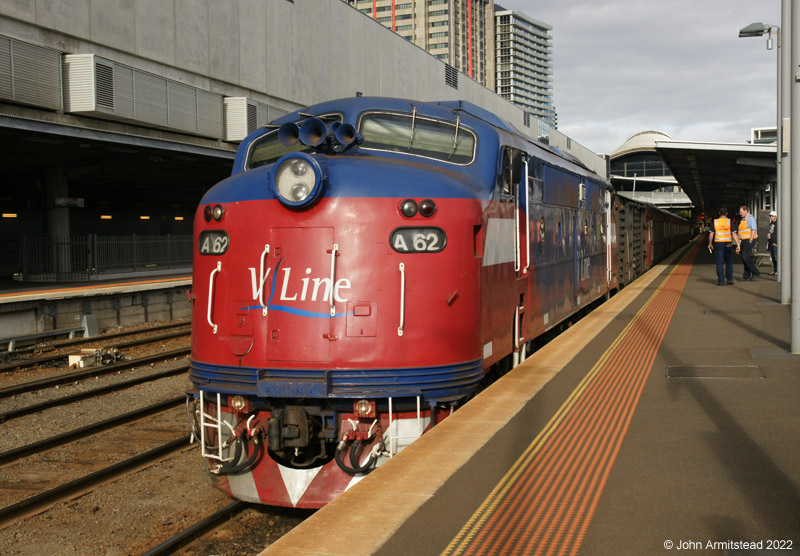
[(677, 66)]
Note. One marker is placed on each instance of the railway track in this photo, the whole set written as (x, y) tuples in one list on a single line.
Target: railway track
[(74, 342), (118, 453), (41, 501), (238, 529), (82, 432), (197, 529), (54, 359), (107, 444), (73, 378), (64, 476)]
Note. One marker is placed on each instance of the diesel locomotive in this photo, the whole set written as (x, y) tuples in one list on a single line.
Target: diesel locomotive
[(368, 266)]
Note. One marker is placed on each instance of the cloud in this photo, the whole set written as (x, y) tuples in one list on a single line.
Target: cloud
[(624, 66)]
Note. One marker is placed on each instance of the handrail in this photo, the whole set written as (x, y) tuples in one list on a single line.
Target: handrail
[(402, 299), (334, 250), (517, 256), (211, 295), (261, 277), (608, 237), (527, 219)]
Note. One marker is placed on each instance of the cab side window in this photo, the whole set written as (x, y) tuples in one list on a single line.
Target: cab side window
[(511, 170)]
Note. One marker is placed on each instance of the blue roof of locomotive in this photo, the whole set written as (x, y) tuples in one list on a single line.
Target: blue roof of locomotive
[(478, 176), (351, 108)]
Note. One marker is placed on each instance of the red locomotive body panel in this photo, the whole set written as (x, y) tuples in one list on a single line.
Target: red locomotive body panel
[(293, 278)]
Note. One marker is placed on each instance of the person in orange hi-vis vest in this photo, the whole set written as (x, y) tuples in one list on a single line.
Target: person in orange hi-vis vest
[(721, 240), (748, 233)]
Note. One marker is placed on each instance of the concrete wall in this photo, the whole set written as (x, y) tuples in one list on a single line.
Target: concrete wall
[(303, 51), (116, 309)]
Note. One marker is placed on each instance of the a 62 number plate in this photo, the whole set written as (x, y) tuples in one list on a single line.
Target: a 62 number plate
[(418, 240), (213, 242)]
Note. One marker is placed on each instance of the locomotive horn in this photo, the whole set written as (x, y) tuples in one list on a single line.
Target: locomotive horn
[(289, 134), (313, 132), (346, 134)]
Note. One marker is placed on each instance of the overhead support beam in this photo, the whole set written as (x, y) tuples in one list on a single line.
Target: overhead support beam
[(760, 162), (57, 129)]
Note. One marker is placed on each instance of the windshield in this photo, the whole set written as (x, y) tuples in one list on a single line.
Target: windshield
[(409, 133), (268, 148)]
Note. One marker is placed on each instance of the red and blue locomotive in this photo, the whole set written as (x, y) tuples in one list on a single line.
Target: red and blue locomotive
[(366, 266)]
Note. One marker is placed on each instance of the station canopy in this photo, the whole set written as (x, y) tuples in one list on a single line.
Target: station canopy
[(716, 175)]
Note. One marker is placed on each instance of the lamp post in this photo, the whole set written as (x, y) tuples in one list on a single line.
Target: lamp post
[(789, 170), (784, 167)]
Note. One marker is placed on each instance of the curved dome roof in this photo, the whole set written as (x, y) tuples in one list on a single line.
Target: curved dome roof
[(642, 141)]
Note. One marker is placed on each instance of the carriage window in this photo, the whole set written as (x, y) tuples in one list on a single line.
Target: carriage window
[(268, 148), (407, 133)]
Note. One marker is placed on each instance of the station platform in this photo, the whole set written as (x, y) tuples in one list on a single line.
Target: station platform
[(36, 307), (13, 291), (666, 420)]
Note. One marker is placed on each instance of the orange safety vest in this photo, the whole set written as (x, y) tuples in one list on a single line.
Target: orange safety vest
[(745, 231), (722, 230)]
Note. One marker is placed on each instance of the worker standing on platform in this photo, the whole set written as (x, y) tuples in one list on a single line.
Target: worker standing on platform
[(748, 233), (772, 240), (721, 239)]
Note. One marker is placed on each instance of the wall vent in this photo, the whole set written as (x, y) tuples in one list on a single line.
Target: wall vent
[(94, 86), (104, 77), (30, 74), (451, 76), (243, 116)]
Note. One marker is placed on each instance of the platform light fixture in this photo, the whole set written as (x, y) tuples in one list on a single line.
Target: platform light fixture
[(144, 217), (179, 218), (9, 215), (105, 217), (758, 30)]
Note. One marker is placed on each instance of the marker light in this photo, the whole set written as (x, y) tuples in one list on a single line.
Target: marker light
[(297, 179), (218, 212), (207, 213), (364, 409), (409, 208), (238, 403), (427, 208)]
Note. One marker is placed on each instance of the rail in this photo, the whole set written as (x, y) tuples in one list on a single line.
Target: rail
[(46, 499), (209, 523)]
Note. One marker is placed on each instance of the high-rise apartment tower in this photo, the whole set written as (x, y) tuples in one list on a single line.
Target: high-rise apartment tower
[(458, 32), (523, 65)]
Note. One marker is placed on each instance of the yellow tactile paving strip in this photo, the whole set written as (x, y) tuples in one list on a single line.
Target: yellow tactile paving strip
[(545, 502)]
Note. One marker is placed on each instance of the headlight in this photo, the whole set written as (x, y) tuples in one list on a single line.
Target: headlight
[(298, 179)]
